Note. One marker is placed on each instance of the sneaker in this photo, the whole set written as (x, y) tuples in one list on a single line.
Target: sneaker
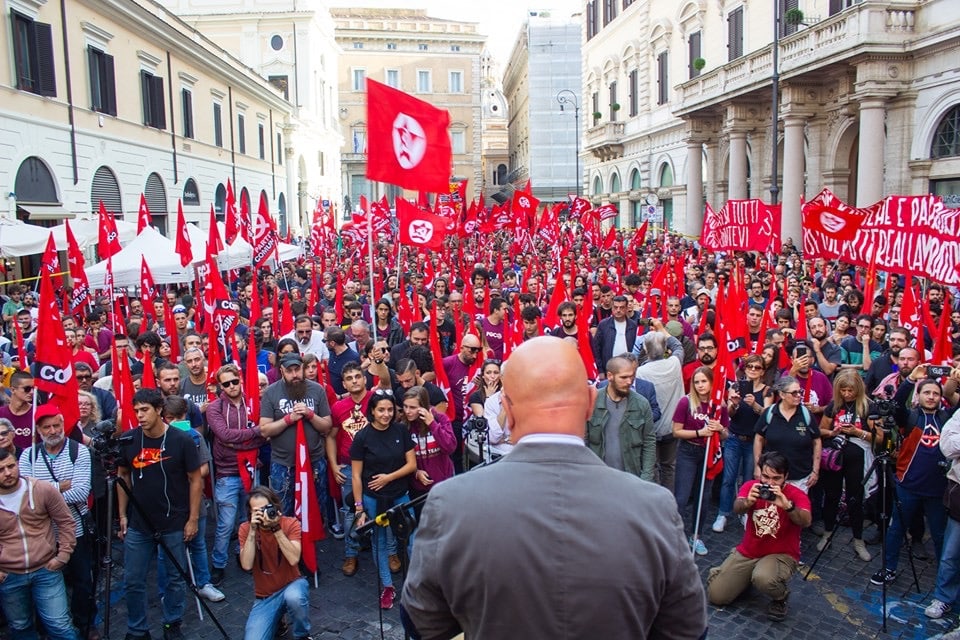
[(337, 531), (884, 575), (861, 550), (216, 576), (777, 610), (824, 540), (394, 562), (698, 547), (386, 598), (211, 593), (936, 609), (817, 528), (720, 524), (172, 632)]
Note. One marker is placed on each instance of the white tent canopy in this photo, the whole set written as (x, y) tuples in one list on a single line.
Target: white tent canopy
[(20, 239)]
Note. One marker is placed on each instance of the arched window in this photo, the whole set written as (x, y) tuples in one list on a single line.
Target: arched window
[(105, 189), (946, 141), (156, 197), (220, 201), (282, 215), (191, 193), (501, 177), (597, 186), (34, 183), (615, 183), (666, 176), (635, 180)]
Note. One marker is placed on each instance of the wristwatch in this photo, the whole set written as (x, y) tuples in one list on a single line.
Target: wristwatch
[(793, 505)]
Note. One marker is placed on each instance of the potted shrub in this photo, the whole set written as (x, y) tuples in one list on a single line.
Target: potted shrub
[(615, 106), (699, 64), (597, 115), (794, 17)]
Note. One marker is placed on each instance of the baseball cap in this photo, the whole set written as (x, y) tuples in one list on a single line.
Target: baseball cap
[(179, 308), (48, 410), (291, 359), (702, 292), (674, 328)]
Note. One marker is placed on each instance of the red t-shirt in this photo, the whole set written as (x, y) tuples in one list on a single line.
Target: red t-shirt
[(86, 358), (271, 571), (769, 528), (348, 417)]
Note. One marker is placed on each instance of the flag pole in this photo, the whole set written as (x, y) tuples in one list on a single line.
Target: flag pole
[(703, 484), (373, 307)]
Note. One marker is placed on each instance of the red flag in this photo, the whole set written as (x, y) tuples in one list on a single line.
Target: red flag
[(419, 228), (408, 141), (264, 235), (53, 359), (231, 217), (442, 380), (143, 215), (606, 212), (286, 317), (171, 331), (50, 261), (910, 312), (942, 344), (828, 216), (147, 288), (75, 261), (109, 241), (214, 243), (251, 382), (306, 504), (524, 207), (610, 240), (583, 335), (123, 388), (183, 248), (149, 378)]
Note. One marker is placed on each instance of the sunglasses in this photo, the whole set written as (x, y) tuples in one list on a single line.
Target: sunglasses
[(383, 392), (795, 394), (28, 388), (229, 383), (473, 350), (5, 433), (753, 367)]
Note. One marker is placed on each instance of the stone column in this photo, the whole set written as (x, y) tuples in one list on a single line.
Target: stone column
[(694, 214), (293, 200), (737, 180), (793, 170), (871, 152)]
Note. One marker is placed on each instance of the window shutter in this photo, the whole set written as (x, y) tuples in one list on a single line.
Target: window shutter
[(108, 82), (93, 68), (145, 96), (187, 99), (45, 72), (159, 112), (694, 53)]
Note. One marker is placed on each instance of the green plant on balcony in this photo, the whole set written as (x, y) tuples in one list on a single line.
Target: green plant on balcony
[(699, 64), (615, 106), (794, 17), (596, 116)]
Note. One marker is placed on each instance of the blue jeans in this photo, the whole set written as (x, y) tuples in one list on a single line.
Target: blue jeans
[(139, 549), (231, 500), (281, 481), (351, 547), (382, 539), (198, 557), (690, 459), (266, 612), (737, 462), (21, 595), (910, 504), (948, 575)]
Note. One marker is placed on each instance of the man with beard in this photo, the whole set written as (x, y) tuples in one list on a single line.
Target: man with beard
[(70, 473), (615, 334), (284, 404), (309, 340), (706, 357), (674, 314), (168, 381), (194, 387), (881, 367), (826, 355), (457, 368), (568, 321), (907, 360), (621, 429)]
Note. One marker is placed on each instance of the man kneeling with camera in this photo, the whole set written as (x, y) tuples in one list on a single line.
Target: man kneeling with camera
[(769, 553), (270, 547)]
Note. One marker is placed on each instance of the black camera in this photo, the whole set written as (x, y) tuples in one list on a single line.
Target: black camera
[(105, 444), (269, 512), (766, 493), (476, 423)]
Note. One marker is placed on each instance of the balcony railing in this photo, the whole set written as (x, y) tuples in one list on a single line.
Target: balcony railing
[(877, 27), (605, 141)]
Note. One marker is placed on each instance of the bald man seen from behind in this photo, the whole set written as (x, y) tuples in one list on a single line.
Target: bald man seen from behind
[(549, 542)]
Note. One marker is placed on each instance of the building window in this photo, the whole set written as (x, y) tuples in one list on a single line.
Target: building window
[(693, 52), (391, 46), (276, 43), (785, 6), (836, 6), (359, 80), (33, 56), (103, 85), (358, 45), (422, 47), (500, 177), (217, 124), (592, 18), (614, 105), (392, 78), (279, 148), (634, 92), (595, 102), (261, 146), (609, 11), (456, 82), (627, 3), (424, 84), (735, 34), (458, 142), (454, 47), (283, 84), (154, 108), (663, 78), (946, 141), (241, 133), (186, 103), (359, 139)]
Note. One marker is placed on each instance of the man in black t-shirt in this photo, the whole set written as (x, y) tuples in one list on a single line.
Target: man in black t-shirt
[(161, 466)]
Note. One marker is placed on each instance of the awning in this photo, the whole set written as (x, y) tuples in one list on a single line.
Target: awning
[(46, 211)]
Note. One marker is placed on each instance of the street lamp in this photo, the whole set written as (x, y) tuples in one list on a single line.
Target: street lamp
[(575, 103), (775, 104)]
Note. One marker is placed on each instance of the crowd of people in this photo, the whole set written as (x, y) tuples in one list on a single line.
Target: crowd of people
[(383, 381)]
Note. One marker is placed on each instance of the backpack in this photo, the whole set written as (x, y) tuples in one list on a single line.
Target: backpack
[(768, 413)]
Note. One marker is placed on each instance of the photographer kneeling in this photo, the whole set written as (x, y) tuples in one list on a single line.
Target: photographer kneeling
[(270, 547), (770, 551)]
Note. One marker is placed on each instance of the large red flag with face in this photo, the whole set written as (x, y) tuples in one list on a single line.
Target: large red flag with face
[(420, 228), (109, 240), (53, 361), (408, 141), (81, 286)]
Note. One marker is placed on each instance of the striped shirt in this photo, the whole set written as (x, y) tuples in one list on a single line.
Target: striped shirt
[(77, 473)]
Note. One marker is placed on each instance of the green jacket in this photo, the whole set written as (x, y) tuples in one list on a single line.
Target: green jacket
[(638, 436)]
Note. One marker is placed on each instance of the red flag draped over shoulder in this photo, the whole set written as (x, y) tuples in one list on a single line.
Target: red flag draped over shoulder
[(408, 141), (54, 361)]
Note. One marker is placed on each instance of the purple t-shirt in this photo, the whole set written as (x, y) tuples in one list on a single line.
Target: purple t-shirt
[(22, 427), (820, 392), (494, 336), (696, 420), (458, 374)]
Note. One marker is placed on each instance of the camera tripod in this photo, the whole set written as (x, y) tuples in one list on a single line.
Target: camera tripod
[(107, 561)]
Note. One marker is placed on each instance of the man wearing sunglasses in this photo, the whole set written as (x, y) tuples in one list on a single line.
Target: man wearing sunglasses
[(19, 410), (457, 368)]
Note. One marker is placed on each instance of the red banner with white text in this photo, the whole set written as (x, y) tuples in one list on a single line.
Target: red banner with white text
[(742, 225)]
